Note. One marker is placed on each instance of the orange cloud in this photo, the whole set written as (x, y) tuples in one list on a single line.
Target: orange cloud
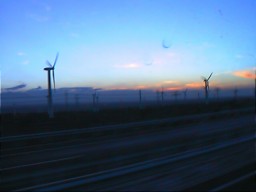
[(194, 85), (245, 74), (141, 87), (173, 88), (170, 82)]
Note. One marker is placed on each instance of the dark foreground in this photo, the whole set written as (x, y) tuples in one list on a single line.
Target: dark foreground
[(200, 149)]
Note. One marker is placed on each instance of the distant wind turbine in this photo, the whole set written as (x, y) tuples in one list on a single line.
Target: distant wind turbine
[(176, 94), (95, 100), (157, 96), (140, 97), (235, 93), (185, 93), (217, 90), (162, 94), (49, 69), (206, 87)]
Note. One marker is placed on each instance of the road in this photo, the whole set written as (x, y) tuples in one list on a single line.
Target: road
[(158, 156)]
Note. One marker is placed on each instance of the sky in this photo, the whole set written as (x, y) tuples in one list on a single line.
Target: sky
[(128, 44)]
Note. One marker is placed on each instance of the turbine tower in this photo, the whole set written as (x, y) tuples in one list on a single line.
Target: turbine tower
[(217, 89), (235, 93), (140, 96), (49, 96), (176, 94), (162, 95), (206, 87), (185, 93)]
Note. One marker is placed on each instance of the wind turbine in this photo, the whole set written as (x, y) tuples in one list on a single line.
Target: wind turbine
[(162, 94), (206, 87), (185, 93), (95, 100), (217, 89), (140, 96), (176, 94), (235, 93), (49, 69)]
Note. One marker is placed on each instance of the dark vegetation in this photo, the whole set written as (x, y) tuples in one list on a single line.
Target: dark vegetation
[(23, 123)]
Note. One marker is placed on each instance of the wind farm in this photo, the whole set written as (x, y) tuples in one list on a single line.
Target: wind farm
[(122, 137), (121, 104)]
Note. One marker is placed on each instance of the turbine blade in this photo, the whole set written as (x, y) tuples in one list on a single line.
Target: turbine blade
[(202, 77), (209, 76), (53, 78), (56, 60), (48, 63)]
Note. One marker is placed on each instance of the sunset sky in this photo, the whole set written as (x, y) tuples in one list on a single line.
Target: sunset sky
[(128, 44)]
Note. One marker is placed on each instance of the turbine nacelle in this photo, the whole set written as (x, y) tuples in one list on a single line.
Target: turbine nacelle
[(48, 68)]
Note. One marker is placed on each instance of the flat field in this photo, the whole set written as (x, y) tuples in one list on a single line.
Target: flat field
[(23, 123)]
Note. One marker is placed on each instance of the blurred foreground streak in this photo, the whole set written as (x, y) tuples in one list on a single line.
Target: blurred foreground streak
[(200, 152)]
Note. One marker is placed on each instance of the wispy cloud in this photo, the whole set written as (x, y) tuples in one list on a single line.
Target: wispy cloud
[(16, 87), (38, 18), (74, 35), (129, 66), (25, 62), (48, 7), (239, 56), (20, 53), (247, 74), (170, 57)]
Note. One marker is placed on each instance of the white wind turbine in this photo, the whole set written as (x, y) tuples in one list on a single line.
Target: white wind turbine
[(49, 96), (206, 87)]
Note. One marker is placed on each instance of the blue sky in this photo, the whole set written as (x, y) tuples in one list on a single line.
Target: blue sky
[(117, 44)]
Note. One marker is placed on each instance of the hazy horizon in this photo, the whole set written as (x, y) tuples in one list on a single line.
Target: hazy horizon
[(83, 96)]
